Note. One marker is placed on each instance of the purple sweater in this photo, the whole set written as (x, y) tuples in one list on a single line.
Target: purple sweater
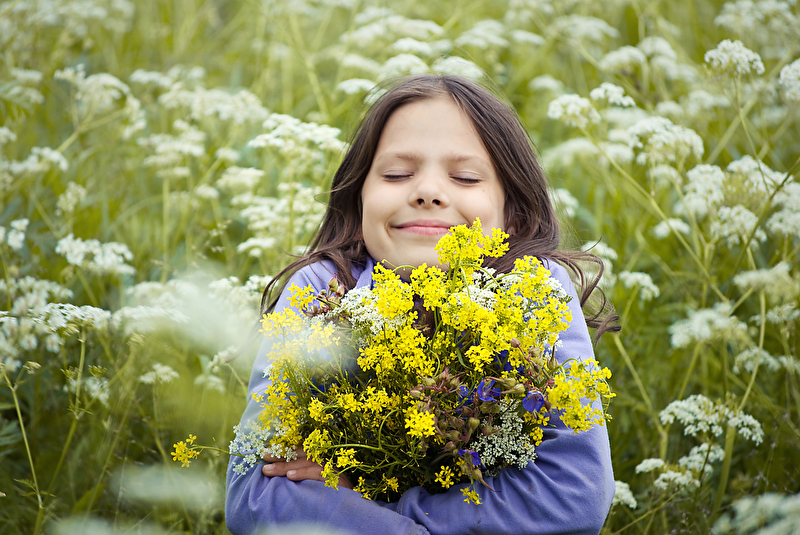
[(567, 490)]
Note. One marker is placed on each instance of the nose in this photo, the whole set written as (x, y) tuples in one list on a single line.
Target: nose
[(429, 189)]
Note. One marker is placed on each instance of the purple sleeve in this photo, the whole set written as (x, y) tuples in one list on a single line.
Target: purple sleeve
[(567, 490), (254, 501)]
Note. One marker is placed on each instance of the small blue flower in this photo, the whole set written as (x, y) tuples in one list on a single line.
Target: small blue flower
[(476, 459), (465, 395), (533, 402), (485, 391)]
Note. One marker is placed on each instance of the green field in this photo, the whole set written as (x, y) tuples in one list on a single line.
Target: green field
[(160, 160)]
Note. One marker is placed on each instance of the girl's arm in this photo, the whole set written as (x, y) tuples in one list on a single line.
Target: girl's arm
[(254, 501), (567, 490)]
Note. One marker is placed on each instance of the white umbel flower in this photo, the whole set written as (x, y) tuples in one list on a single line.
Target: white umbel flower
[(732, 57), (574, 110)]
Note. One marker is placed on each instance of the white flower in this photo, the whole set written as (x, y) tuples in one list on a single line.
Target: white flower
[(411, 46), (355, 85), (239, 179), (655, 46), (149, 78), (456, 66), (737, 225), (665, 228), (6, 136), (525, 37), (564, 201), (777, 282), (756, 175), (765, 514), (623, 495), (647, 290), (625, 58), (602, 250), (355, 61), (783, 314), (706, 325), (206, 192), (701, 457), (574, 110), (228, 155), (649, 465), (703, 191), (545, 82), (241, 107), (698, 414), (732, 57), (100, 258), (581, 28), (161, 374), (746, 361), (661, 141), (672, 480), (787, 220), (68, 201), (613, 94), (699, 101), (484, 34), (566, 153), (790, 80), (401, 65)]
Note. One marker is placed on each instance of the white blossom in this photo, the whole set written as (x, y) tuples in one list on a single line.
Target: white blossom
[(733, 57), (564, 201), (484, 34), (456, 66), (706, 325), (790, 80), (672, 480), (654, 46), (545, 82), (99, 258), (613, 94), (766, 514), (665, 228), (701, 457), (777, 281), (161, 374), (625, 58), (635, 279), (581, 28), (786, 221), (68, 201), (703, 191), (241, 107), (355, 85), (757, 177), (649, 465), (746, 361), (239, 179), (574, 110), (660, 141), (228, 155), (401, 65), (736, 225), (623, 495)]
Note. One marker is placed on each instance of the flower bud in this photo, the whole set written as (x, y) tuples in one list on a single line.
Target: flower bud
[(473, 424), (450, 446)]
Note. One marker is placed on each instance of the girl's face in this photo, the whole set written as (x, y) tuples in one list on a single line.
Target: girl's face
[(430, 172)]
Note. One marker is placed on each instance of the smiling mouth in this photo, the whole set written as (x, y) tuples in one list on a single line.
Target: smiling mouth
[(425, 228)]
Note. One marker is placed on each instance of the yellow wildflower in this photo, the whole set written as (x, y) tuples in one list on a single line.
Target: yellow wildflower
[(470, 496), (420, 424), (445, 477)]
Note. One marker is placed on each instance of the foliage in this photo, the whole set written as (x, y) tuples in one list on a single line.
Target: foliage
[(159, 159)]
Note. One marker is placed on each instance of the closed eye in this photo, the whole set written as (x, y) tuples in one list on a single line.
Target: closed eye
[(395, 177), (466, 179)]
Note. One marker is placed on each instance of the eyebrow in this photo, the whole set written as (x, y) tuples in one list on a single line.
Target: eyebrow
[(416, 157)]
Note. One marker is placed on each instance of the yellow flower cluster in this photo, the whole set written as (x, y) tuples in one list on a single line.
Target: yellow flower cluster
[(445, 477), (470, 496), (420, 424), (466, 246), (184, 451), (574, 394)]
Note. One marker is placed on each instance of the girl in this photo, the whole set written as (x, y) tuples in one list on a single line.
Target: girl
[(433, 152)]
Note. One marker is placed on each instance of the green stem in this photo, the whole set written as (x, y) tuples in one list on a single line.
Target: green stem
[(40, 514)]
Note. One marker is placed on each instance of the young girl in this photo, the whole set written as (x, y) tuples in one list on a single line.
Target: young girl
[(434, 152)]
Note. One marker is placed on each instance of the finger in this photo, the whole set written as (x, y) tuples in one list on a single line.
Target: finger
[(281, 468)]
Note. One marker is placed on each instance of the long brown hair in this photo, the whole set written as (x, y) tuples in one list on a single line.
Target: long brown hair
[(528, 208)]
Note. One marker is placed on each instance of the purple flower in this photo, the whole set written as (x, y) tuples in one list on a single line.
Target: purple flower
[(533, 402), (476, 459), (486, 392)]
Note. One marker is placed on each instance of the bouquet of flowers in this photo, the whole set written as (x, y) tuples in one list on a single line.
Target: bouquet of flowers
[(436, 381)]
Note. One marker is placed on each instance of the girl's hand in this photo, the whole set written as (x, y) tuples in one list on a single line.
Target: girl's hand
[(298, 470)]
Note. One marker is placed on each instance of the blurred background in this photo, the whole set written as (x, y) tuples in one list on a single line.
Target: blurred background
[(161, 160)]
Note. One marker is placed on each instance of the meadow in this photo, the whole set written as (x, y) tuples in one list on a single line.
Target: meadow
[(160, 160)]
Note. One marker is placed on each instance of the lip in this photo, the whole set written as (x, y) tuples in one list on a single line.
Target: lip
[(426, 227)]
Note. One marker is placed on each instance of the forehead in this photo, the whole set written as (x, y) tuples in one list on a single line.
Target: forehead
[(438, 118)]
